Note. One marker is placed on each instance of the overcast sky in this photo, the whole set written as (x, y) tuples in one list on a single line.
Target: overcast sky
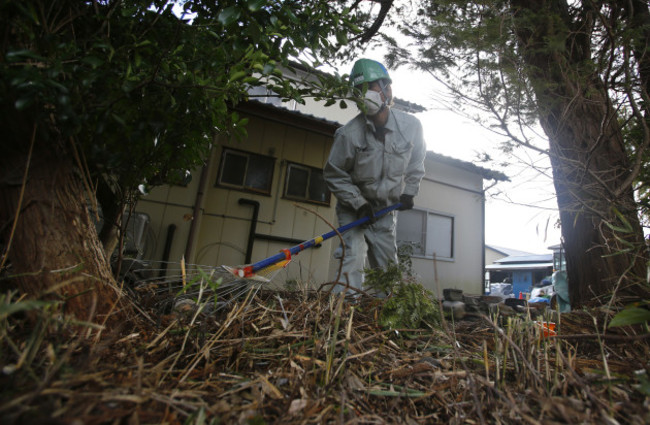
[(527, 221)]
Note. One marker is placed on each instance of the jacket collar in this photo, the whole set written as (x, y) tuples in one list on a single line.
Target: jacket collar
[(390, 123)]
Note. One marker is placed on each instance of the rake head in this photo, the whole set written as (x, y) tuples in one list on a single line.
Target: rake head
[(265, 274)]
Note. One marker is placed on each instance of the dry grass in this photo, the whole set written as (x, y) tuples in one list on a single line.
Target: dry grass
[(309, 358)]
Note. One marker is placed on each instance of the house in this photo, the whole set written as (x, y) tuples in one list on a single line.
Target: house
[(523, 271), (242, 205), (447, 225), (494, 253), (266, 193)]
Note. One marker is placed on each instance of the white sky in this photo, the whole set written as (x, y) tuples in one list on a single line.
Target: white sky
[(508, 224)]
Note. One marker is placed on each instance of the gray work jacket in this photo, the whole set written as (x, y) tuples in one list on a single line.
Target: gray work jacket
[(361, 168)]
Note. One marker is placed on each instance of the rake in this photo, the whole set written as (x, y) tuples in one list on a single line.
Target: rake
[(261, 269)]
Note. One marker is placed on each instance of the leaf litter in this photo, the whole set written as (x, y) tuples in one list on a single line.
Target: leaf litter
[(311, 357)]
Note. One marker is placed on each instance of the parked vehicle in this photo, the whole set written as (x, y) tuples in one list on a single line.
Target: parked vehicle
[(501, 289)]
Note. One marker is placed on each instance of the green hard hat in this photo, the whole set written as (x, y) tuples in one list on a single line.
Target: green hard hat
[(367, 71)]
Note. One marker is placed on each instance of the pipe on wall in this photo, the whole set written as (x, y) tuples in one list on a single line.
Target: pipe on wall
[(196, 212), (168, 247), (252, 232), (253, 228)]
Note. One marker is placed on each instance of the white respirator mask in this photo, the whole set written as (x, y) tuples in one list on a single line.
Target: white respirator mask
[(373, 103)]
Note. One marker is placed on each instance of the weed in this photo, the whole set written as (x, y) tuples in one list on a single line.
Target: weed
[(409, 304), (208, 286)]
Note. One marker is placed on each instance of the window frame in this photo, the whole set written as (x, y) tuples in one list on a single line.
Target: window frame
[(306, 199), (426, 213), (243, 187)]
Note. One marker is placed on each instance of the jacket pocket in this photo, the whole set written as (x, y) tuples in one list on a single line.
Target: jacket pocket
[(367, 166), (400, 155)]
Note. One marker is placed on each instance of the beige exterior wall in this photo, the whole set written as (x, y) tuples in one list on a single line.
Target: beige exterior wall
[(492, 255), (223, 224), (452, 191)]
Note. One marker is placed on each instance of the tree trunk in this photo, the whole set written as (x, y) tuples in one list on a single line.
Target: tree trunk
[(589, 171), (112, 210), (590, 165), (54, 251)]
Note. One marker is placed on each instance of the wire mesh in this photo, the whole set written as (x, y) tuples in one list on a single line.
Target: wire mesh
[(170, 284)]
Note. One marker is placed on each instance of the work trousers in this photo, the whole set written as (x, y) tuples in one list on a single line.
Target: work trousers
[(374, 242)]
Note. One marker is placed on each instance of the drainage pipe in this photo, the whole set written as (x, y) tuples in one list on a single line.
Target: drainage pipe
[(252, 235), (281, 239), (167, 250), (196, 214), (253, 228)]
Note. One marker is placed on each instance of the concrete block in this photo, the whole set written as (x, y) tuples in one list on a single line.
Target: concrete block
[(452, 294), (454, 309)]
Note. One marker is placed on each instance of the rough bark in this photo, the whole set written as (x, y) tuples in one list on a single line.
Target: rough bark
[(54, 250), (590, 165), (588, 174), (112, 210), (638, 12)]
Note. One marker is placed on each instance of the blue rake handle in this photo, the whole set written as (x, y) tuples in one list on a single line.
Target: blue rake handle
[(286, 254)]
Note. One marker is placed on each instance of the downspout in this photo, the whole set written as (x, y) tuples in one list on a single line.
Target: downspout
[(253, 228), (167, 250), (196, 211), (252, 232), (483, 244)]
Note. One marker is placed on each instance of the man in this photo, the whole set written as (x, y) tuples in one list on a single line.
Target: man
[(377, 160)]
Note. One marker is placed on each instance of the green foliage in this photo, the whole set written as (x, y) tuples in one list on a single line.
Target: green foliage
[(634, 134), (202, 289), (140, 87), (632, 315), (409, 304), (291, 285), (32, 335), (385, 280), (7, 308), (200, 417), (644, 383), (623, 233), (517, 66)]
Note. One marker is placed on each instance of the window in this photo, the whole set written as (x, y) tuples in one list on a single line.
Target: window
[(246, 171), (306, 184), (427, 232)]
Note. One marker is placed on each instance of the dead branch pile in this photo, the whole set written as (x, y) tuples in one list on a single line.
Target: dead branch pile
[(310, 358)]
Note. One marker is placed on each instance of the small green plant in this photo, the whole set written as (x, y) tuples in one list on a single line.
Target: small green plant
[(385, 280), (15, 356), (291, 285), (405, 258), (633, 314), (637, 313), (408, 303), (644, 382), (411, 306), (207, 286)]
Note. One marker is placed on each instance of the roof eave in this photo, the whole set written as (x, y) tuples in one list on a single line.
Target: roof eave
[(483, 172)]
